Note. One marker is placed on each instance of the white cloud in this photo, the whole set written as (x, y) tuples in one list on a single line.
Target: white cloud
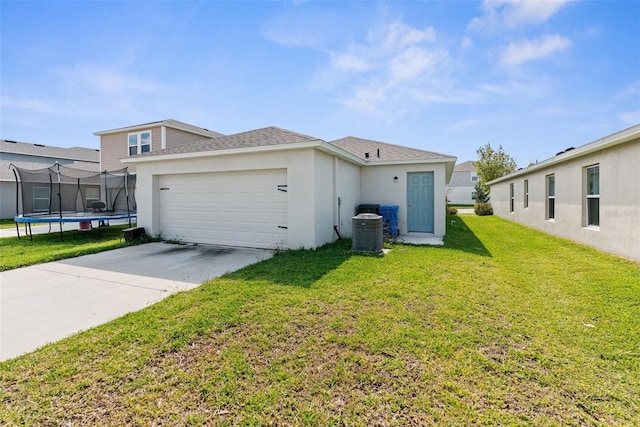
[(414, 62), (400, 35), (106, 80), (394, 66), (350, 62), (517, 13), (517, 53), (630, 117), (466, 43), (511, 14)]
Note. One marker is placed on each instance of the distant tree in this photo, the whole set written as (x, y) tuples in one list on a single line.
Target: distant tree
[(493, 164)]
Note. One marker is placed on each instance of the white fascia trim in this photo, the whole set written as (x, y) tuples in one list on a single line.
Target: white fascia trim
[(130, 129), (146, 126), (228, 152), (411, 162), (163, 137), (592, 147)]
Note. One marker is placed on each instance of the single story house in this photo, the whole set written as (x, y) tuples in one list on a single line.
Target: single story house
[(37, 156), (462, 184), (272, 187), (589, 194)]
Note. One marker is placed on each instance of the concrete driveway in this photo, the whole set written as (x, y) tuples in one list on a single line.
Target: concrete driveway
[(47, 302)]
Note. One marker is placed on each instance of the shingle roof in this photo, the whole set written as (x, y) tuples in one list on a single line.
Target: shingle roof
[(384, 152), (168, 123), (26, 149), (465, 167), (254, 138)]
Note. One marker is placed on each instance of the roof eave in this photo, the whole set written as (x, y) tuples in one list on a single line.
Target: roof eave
[(592, 147), (151, 125), (227, 152)]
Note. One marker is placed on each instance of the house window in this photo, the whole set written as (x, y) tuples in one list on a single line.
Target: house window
[(139, 142), (526, 193), (593, 195), (551, 196), (474, 177), (512, 198), (41, 199), (92, 195)]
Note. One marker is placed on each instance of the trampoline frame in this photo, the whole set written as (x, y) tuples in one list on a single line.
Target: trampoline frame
[(69, 217)]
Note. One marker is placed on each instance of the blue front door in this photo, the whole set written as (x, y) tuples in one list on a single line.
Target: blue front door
[(420, 202)]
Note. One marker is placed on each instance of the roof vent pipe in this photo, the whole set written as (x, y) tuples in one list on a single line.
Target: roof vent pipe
[(366, 155), (378, 153)]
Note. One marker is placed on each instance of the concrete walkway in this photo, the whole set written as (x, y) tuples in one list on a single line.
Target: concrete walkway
[(47, 302)]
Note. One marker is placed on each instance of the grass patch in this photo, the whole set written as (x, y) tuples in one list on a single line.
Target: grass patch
[(7, 223), (48, 247), (503, 325)]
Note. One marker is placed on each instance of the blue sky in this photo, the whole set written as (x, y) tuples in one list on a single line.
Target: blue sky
[(535, 77)]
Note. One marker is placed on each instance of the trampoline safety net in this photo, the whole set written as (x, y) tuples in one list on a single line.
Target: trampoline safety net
[(62, 189)]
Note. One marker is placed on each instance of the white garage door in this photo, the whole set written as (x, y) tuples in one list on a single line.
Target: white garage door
[(246, 208)]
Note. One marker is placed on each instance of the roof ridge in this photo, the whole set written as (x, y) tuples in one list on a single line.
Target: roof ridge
[(404, 147)]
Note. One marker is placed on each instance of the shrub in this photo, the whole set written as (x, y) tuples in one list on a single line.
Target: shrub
[(482, 209), (481, 193), (451, 210)]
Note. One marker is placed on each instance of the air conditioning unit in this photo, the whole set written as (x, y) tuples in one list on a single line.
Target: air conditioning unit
[(367, 233)]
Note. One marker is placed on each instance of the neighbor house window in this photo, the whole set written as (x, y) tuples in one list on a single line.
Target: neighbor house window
[(512, 198), (551, 196), (92, 195), (526, 193), (474, 177), (139, 142), (41, 198), (593, 195)]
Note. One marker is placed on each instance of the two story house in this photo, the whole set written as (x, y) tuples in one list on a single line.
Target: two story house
[(462, 184), (117, 144)]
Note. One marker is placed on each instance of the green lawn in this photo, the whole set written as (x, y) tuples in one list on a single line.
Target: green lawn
[(21, 252), (504, 325), (7, 223)]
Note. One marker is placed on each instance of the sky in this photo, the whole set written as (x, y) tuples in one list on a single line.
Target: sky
[(534, 77)]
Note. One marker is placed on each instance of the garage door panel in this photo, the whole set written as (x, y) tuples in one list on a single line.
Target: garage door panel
[(240, 209)]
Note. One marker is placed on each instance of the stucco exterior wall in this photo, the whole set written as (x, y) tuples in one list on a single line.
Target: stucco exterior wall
[(619, 230), (461, 188), (377, 186), (7, 199), (304, 228), (348, 190)]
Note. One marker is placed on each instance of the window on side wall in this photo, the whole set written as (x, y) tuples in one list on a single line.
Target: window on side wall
[(474, 177), (526, 193), (551, 196), (41, 199), (92, 195), (512, 198), (593, 196), (139, 142)]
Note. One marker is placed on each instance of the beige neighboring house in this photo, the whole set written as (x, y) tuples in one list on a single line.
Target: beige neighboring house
[(462, 184), (118, 144), (37, 156), (273, 187), (589, 194)]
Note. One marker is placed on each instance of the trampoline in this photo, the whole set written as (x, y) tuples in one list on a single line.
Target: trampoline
[(84, 219), (63, 194)]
